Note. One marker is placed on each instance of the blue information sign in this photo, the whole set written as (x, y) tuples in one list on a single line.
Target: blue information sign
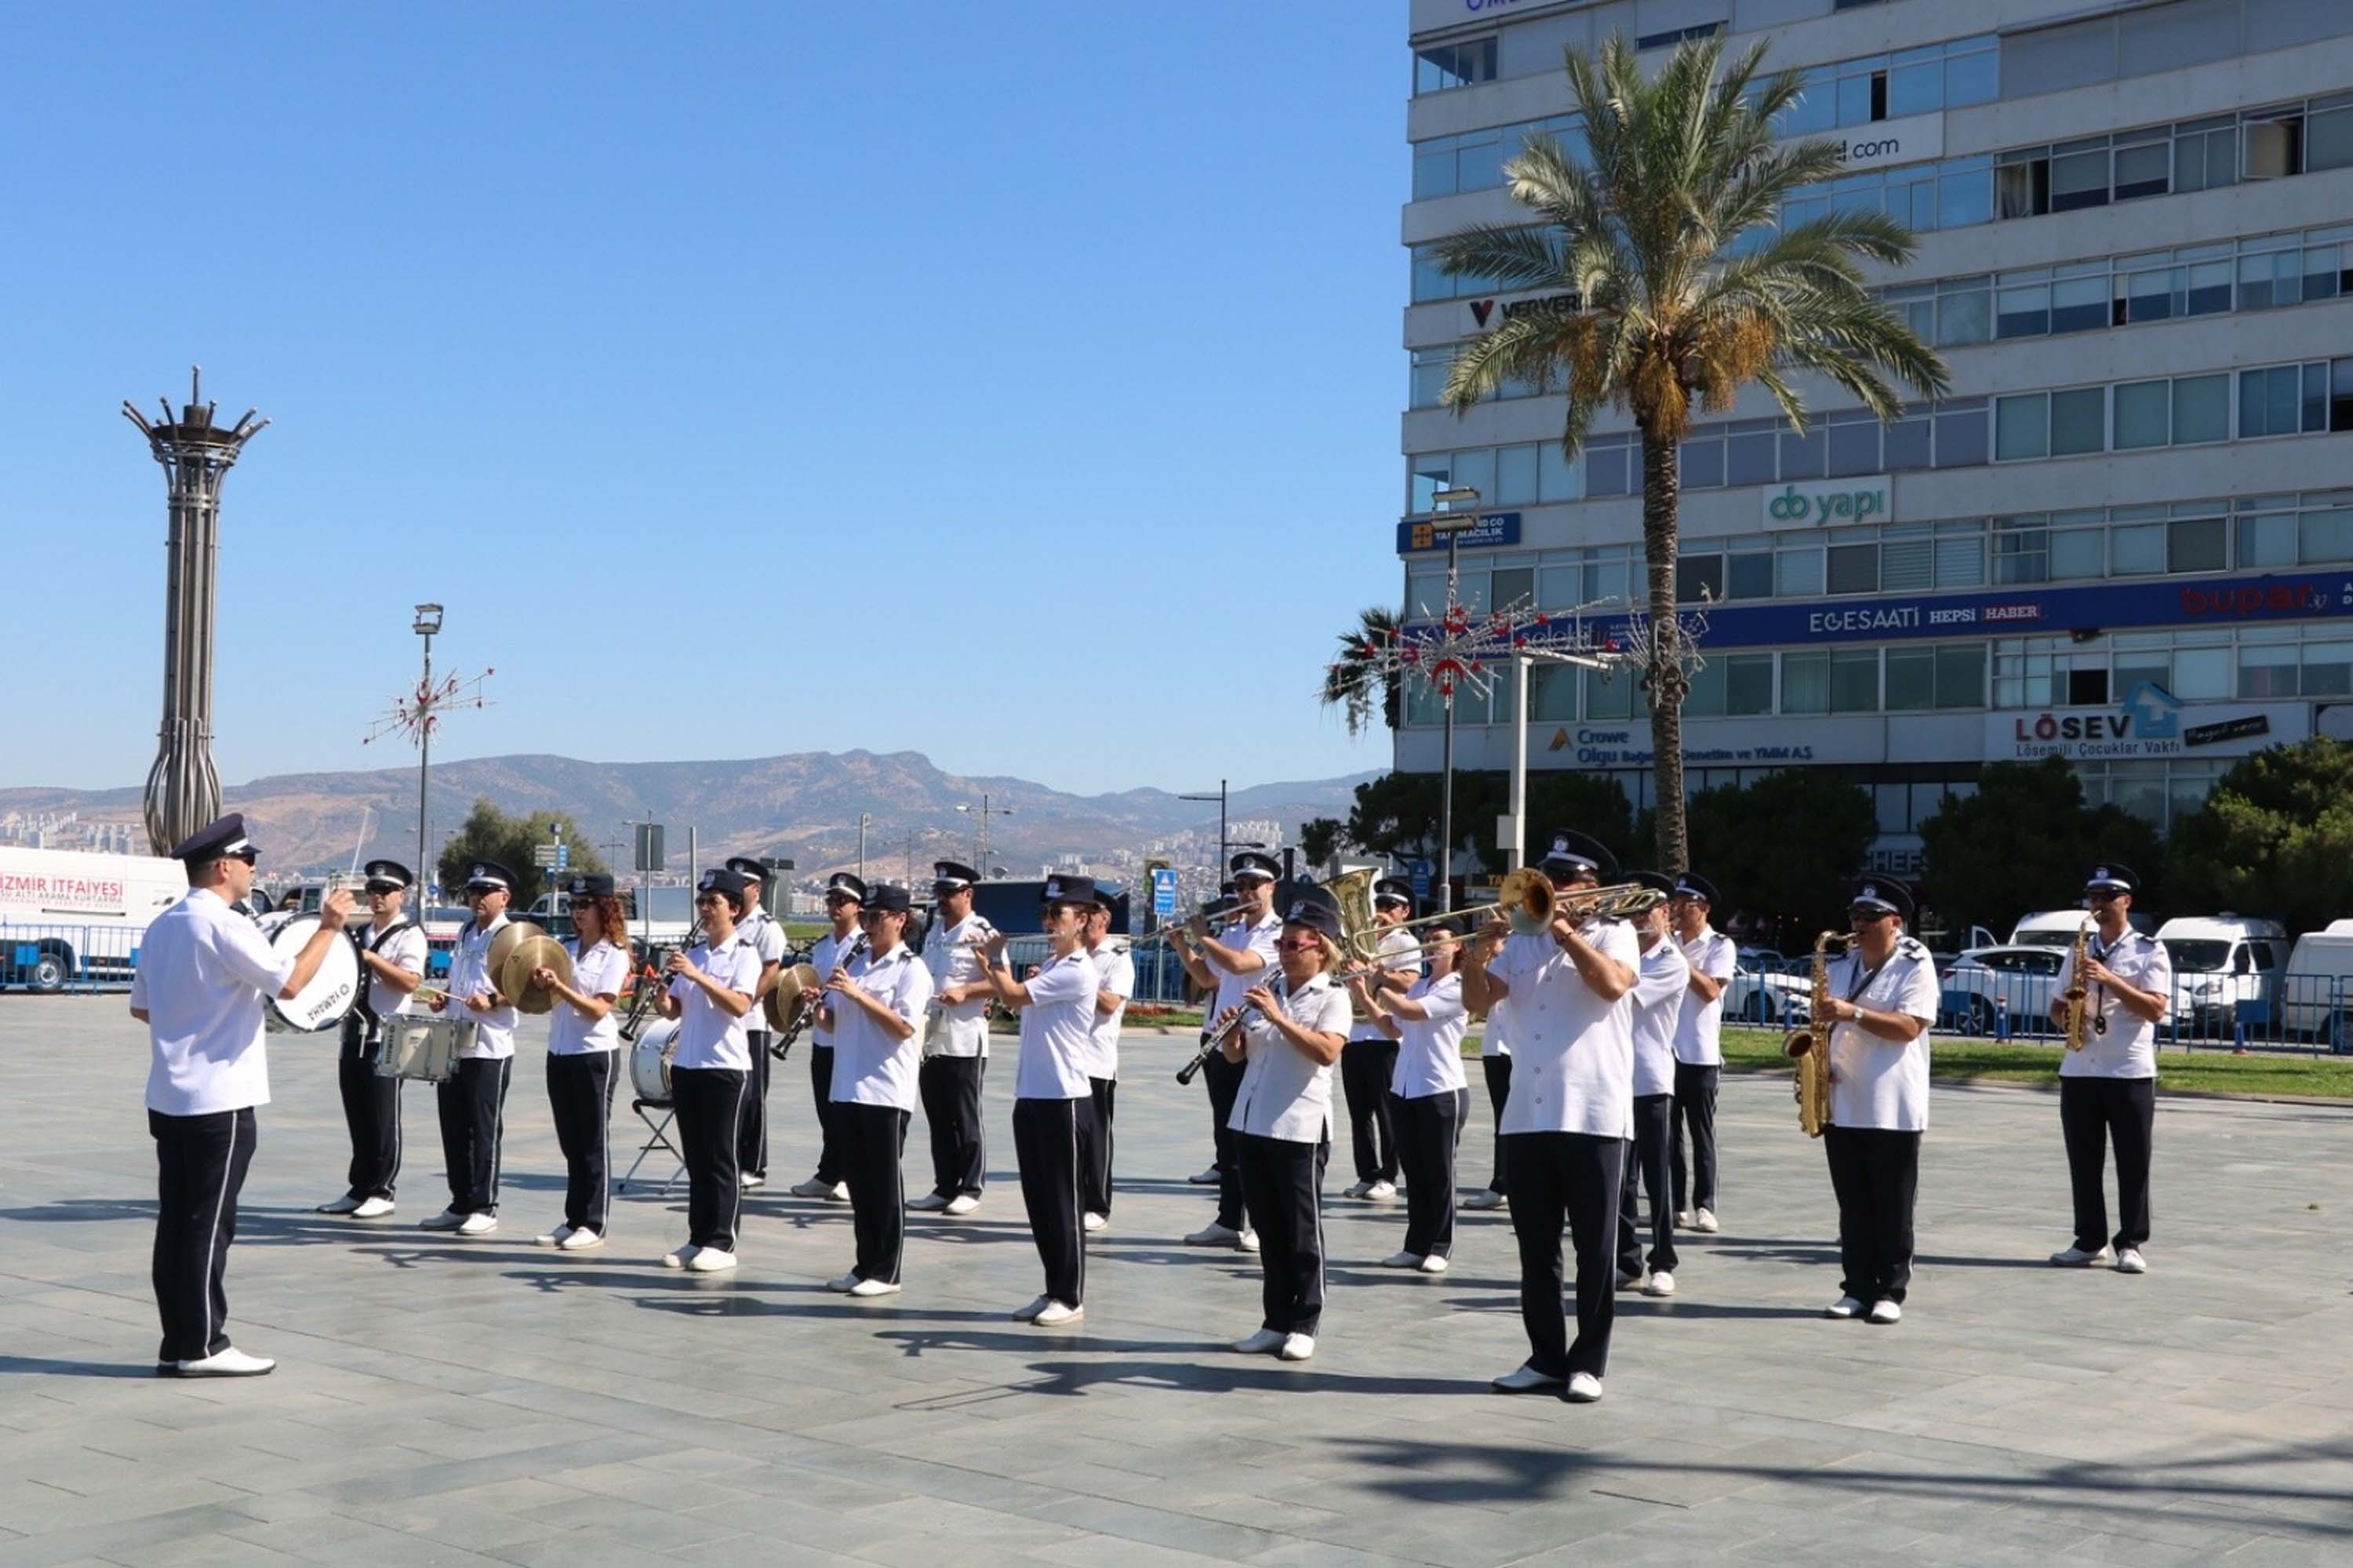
[(563, 854), (1493, 528), (1419, 871), (1164, 891)]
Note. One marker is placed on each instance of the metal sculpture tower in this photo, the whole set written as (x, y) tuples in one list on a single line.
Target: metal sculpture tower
[(184, 793)]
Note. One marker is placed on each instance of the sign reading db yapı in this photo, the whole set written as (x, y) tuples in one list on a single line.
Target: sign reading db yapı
[(1815, 503)]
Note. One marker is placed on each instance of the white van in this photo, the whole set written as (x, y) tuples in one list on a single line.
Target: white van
[(70, 913), (2319, 974), (2057, 928), (2219, 962)]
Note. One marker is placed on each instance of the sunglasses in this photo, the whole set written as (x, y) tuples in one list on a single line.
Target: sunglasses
[(250, 856), (1869, 917), (1301, 945), (709, 898)]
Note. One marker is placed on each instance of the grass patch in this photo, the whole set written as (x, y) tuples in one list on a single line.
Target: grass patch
[(2304, 1078)]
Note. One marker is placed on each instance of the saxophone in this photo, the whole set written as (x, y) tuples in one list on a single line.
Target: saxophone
[(1811, 1045), (2078, 1014)]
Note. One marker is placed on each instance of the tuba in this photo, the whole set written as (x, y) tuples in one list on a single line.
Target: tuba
[(1811, 1045), (2078, 1014)]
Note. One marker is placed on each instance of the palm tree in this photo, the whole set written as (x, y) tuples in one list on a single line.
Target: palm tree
[(1681, 287), (1360, 676)]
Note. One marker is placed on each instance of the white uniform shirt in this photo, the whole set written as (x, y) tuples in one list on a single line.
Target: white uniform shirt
[(1699, 1030), (1429, 1049), (2128, 1049), (469, 974), (870, 1067), (1495, 1033), (830, 954), (1573, 1054), (404, 950), (1285, 1093), (960, 1029), (765, 936), (203, 969), (1056, 1029), (1662, 984), (1116, 971), (707, 1037), (1882, 1084), (1394, 944), (1259, 939), (602, 971)]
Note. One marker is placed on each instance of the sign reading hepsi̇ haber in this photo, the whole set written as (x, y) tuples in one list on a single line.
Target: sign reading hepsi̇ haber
[(1814, 503)]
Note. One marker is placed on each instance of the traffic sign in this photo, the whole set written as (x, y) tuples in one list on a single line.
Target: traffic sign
[(562, 856), (649, 846), (1164, 891), (545, 856), (1419, 870)]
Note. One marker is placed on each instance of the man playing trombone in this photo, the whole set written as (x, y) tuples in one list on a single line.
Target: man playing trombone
[(1238, 957), (1370, 1058)]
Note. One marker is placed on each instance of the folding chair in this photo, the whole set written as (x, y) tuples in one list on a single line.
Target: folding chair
[(659, 1138)]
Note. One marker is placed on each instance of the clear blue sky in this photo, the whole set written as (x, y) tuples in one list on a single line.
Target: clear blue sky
[(1023, 349)]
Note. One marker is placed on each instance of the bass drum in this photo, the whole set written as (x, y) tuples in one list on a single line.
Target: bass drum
[(332, 993), (649, 1056)]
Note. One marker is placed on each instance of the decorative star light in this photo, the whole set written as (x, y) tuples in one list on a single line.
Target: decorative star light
[(417, 715), (1460, 650)]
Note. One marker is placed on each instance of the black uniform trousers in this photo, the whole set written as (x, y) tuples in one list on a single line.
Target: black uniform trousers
[(1695, 1109), (1096, 1148), (829, 1158), (1366, 1068), (473, 1103), (580, 1099), (1224, 1081), (1282, 1183), (1646, 1157), (1045, 1139), (950, 1087), (1497, 1070), (752, 1144), (1571, 1177), (1429, 1126), (200, 1165), (1876, 1174), (372, 1116), (2091, 1111), (872, 1138), (707, 1103)]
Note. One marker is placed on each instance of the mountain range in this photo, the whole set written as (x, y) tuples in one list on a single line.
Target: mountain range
[(805, 805)]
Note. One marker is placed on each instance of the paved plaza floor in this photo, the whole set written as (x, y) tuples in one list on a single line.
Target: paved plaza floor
[(486, 1402)]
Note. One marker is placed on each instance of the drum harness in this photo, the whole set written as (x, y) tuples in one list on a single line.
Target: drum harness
[(363, 1030)]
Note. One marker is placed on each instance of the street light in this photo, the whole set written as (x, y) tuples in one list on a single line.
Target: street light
[(427, 622), (1511, 829), (1220, 869), (1460, 510), (984, 810)]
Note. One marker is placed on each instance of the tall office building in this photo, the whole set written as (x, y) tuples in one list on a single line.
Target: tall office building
[(2127, 538)]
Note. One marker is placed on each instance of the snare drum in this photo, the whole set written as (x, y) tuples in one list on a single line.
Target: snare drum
[(333, 991), (649, 1058), (418, 1045)]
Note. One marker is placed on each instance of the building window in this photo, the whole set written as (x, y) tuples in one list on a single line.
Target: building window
[(1747, 685), (2078, 421), (1439, 67), (1805, 683), (1678, 35), (2199, 544), (2021, 427), (1609, 693), (1853, 568), (1698, 576), (1854, 681)]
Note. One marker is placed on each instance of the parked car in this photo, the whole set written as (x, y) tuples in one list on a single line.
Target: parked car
[(2318, 977), (1759, 994), (1984, 983), (2057, 927), (2219, 963)]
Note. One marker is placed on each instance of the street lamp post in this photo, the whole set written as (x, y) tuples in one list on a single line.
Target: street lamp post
[(1219, 869), (863, 818), (1512, 830), (984, 811), (427, 622), (1459, 510)]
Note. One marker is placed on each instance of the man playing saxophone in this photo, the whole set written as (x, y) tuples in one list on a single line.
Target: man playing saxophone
[(2107, 1080)]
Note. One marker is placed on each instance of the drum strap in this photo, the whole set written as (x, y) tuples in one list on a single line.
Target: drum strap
[(373, 1027)]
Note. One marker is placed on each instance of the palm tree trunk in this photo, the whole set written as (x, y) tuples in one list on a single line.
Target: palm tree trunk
[(1664, 675)]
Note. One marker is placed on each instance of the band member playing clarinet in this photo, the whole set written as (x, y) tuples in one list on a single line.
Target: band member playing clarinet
[(1117, 972), (584, 1040), (845, 896), (710, 993), (955, 1052), (1371, 1057), (1883, 1000), (1570, 1112), (876, 1005), (1661, 983), (1290, 1034), (767, 937), (473, 1101), (1239, 955), (1052, 1101), (1699, 1050), (1432, 1098), (2108, 1089), (393, 954)]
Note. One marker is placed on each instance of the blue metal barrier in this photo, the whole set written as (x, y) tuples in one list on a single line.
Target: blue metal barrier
[(52, 959)]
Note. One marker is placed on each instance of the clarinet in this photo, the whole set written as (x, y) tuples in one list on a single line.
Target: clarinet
[(1213, 1037)]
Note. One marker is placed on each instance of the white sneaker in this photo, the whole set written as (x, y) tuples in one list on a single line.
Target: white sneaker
[(962, 1203), (1584, 1388), (1246, 1242), (2129, 1261), (1525, 1379), (2076, 1258), (1484, 1198), (477, 1224), (681, 1257), (1215, 1235), (1095, 1221), (843, 1285), (344, 1206), (812, 1188), (1265, 1342), (1402, 1260), (1354, 1190), (1297, 1347), (1631, 1281), (710, 1260), (745, 1181), (1054, 1315), (1885, 1313), (230, 1362), (1029, 1313), (1685, 1220), (1434, 1263), (1381, 1191), (552, 1238), (865, 1287), (1208, 1177), (581, 1240), (446, 1220), (1661, 1283), (373, 1209), (1704, 1221), (839, 1193), (1844, 1307), (929, 1204)]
